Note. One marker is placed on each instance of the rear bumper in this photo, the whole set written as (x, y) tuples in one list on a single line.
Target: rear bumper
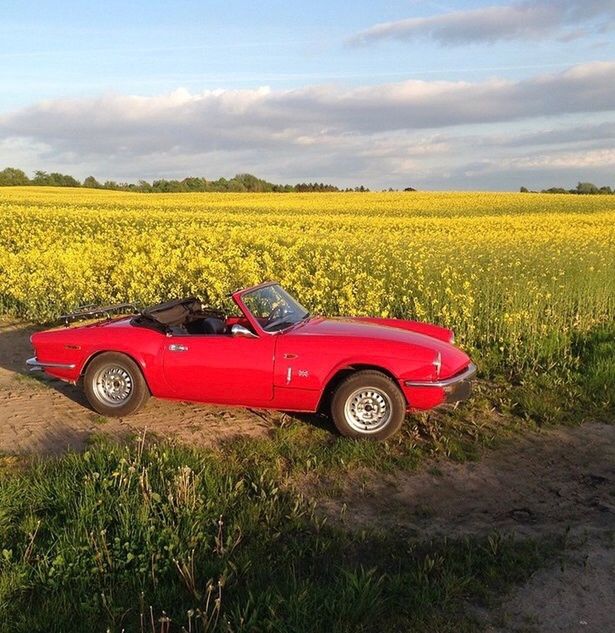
[(34, 364), (454, 389)]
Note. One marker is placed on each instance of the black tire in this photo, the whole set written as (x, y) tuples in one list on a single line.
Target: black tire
[(114, 385), (363, 394)]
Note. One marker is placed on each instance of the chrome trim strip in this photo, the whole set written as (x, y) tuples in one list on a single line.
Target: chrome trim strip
[(36, 365), (467, 374)]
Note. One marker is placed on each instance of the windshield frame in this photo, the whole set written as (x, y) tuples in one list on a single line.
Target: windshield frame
[(254, 320)]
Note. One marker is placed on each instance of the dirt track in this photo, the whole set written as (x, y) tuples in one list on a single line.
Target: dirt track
[(543, 483), (540, 485), (559, 482)]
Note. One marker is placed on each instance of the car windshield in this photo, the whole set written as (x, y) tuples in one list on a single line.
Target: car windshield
[(274, 308)]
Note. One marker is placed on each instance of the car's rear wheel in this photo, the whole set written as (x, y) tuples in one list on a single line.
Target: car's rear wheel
[(114, 385), (368, 404)]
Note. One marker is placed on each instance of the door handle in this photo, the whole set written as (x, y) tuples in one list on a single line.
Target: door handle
[(178, 347)]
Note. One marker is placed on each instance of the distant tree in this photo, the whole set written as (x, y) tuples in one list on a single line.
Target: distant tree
[(582, 188), (91, 183), (143, 186), (195, 184), (41, 178), (239, 183), (523, 190), (168, 186), (586, 188), (409, 189), (252, 183), (54, 179), (63, 180), (11, 177), (221, 183), (235, 186)]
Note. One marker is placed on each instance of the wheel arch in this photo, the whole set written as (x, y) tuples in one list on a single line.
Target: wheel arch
[(98, 353), (343, 372)]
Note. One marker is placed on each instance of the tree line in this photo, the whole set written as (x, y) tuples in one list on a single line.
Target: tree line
[(582, 188), (239, 183)]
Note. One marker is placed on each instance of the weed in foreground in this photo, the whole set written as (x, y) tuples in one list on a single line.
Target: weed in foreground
[(153, 538)]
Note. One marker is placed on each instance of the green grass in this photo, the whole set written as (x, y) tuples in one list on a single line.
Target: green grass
[(92, 541), (31, 379), (597, 368)]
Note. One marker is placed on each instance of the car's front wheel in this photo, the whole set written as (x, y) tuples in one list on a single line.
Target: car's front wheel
[(368, 404), (114, 385)]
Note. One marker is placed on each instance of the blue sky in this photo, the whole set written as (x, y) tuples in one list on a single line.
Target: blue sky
[(453, 95)]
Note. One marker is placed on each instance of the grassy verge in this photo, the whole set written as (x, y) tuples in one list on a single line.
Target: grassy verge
[(154, 538)]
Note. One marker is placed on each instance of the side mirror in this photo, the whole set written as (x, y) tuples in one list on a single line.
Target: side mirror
[(240, 330)]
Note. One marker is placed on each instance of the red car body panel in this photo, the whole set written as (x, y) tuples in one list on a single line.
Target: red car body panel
[(221, 369), (288, 370)]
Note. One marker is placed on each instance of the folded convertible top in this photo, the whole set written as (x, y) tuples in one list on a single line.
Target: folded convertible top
[(174, 314)]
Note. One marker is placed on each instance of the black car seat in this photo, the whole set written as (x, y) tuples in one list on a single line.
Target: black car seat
[(213, 325), (209, 325)]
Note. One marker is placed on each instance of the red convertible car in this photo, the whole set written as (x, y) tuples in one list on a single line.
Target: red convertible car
[(272, 353)]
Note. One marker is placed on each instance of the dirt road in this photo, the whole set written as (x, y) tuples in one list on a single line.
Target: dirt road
[(539, 485), (558, 482)]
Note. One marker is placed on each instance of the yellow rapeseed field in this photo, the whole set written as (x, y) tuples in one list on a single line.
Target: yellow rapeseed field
[(517, 276)]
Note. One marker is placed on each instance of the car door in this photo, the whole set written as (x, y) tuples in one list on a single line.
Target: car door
[(220, 369)]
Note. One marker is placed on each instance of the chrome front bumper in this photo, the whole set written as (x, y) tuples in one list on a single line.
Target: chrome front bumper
[(34, 364), (456, 388)]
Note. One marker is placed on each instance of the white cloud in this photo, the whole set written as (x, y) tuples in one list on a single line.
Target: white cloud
[(565, 160), (559, 167), (386, 134), (519, 20), (603, 132), (227, 119)]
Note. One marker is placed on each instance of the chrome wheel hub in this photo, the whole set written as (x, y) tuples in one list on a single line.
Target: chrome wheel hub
[(368, 410), (113, 385)]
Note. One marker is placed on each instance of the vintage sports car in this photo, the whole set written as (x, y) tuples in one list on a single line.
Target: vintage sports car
[(367, 372)]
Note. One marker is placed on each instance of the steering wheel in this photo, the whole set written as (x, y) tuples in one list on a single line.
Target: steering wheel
[(277, 313), (277, 316)]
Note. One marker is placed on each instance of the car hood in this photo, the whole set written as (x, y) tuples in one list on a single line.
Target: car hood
[(453, 359)]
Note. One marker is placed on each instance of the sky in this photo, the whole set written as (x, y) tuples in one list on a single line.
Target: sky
[(434, 95)]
